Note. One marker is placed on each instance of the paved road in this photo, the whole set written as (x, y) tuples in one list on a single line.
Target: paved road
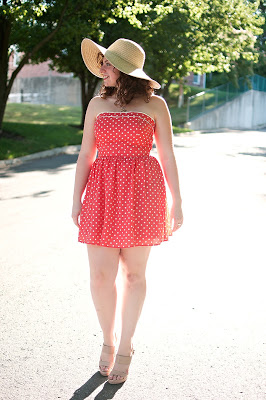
[(202, 333)]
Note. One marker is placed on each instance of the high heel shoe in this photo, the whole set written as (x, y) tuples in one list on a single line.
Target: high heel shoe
[(106, 359), (118, 371)]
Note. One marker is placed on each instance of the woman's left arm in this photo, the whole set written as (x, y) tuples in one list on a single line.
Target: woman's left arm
[(164, 144)]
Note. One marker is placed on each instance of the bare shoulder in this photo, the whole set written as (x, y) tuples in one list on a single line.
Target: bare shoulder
[(92, 111), (96, 100), (95, 105), (159, 106), (158, 103), (158, 100)]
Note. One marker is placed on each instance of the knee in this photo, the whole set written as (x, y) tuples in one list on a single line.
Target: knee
[(134, 279), (99, 280)]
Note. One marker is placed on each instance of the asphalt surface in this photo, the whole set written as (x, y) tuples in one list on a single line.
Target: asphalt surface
[(202, 332)]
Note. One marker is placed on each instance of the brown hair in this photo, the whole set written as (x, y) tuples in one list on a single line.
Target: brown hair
[(127, 88)]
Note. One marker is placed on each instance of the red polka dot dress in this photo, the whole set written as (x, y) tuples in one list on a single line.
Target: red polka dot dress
[(125, 200)]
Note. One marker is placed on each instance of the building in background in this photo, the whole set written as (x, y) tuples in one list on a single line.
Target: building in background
[(196, 80), (37, 83)]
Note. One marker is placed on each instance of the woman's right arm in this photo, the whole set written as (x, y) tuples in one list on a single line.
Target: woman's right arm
[(85, 159)]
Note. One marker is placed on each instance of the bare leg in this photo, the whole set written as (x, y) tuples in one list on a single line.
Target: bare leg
[(133, 262), (103, 271)]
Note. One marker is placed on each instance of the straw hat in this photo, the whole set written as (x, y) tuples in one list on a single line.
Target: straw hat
[(125, 55)]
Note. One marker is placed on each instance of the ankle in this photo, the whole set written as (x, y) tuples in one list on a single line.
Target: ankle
[(125, 349), (109, 340)]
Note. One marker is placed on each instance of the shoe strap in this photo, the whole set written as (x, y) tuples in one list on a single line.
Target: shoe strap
[(108, 349), (123, 359), (106, 364)]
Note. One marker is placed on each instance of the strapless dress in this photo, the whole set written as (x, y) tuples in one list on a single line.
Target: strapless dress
[(125, 201)]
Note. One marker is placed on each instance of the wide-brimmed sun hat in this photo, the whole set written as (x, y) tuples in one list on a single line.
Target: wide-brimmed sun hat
[(124, 54)]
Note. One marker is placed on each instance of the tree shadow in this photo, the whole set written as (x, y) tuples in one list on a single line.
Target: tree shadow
[(179, 145), (261, 152), (108, 391), (41, 194)]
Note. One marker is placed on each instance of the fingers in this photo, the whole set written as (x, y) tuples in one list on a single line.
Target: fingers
[(176, 217), (177, 223), (76, 220), (76, 210)]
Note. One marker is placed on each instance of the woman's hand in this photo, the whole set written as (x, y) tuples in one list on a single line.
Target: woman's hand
[(76, 209), (176, 217)]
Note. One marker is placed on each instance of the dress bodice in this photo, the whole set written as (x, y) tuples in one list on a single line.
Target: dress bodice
[(124, 134)]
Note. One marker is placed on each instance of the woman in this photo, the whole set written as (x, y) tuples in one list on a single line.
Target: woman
[(124, 211)]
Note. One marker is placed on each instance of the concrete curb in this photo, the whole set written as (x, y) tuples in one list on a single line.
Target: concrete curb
[(73, 149), (42, 154)]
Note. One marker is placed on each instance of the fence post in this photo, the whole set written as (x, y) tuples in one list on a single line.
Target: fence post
[(227, 92), (21, 96), (203, 103)]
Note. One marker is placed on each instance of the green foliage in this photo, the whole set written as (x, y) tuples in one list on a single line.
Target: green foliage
[(31, 21), (183, 36), (179, 36), (215, 79), (260, 67), (246, 64), (174, 93), (37, 128)]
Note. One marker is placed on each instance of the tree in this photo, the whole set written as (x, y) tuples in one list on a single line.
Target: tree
[(33, 23), (214, 35), (64, 50), (179, 36), (260, 67), (189, 36), (98, 25), (253, 59)]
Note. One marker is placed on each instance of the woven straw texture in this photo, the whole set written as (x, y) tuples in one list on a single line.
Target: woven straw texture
[(125, 55)]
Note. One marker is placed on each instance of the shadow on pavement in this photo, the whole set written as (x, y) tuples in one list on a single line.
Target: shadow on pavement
[(179, 145), (108, 391), (260, 153), (44, 193), (49, 164)]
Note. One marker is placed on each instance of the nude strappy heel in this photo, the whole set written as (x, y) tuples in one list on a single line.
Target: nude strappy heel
[(109, 363), (120, 360)]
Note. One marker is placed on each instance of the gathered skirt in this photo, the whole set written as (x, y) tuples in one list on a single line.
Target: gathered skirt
[(125, 203)]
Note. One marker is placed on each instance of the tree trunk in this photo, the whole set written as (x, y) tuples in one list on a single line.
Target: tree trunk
[(88, 85), (5, 29), (5, 83), (165, 90), (181, 93)]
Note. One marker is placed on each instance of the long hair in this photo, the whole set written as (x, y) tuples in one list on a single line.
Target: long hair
[(127, 88)]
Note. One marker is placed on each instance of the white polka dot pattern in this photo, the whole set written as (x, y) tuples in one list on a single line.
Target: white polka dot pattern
[(125, 201)]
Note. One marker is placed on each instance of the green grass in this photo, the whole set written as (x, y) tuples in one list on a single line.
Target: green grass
[(35, 128), (39, 127), (179, 115)]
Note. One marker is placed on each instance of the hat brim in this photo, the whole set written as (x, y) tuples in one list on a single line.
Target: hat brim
[(90, 51)]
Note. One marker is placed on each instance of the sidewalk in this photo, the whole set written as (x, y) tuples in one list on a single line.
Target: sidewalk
[(201, 335)]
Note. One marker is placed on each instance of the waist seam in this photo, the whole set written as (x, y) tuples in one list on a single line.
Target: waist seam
[(120, 156)]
